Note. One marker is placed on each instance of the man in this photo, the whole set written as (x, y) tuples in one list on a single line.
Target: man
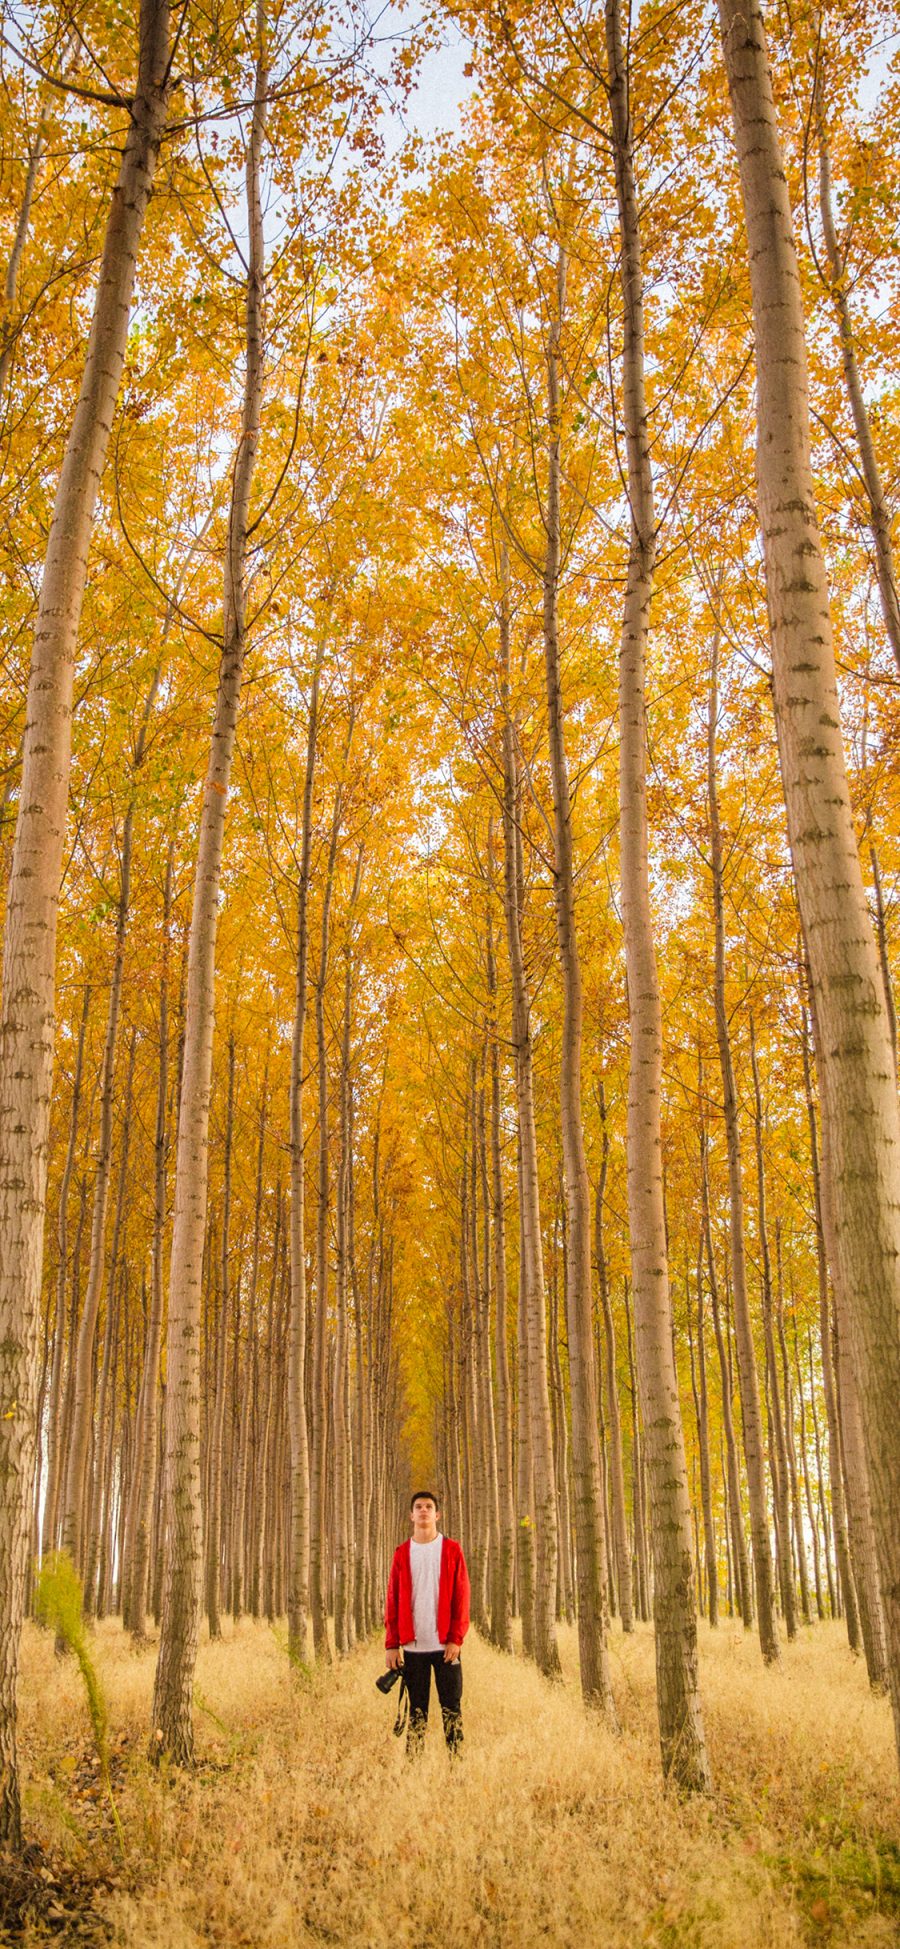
[(426, 1617)]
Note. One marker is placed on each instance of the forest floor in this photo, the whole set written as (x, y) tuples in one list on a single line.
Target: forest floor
[(304, 1823)]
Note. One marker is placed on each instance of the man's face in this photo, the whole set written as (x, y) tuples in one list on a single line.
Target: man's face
[(424, 1519)]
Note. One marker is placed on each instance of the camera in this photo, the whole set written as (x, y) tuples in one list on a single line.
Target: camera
[(388, 1679)]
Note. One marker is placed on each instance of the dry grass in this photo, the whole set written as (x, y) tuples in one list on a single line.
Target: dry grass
[(305, 1825)]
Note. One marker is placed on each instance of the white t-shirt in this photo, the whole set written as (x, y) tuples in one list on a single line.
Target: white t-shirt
[(425, 1564)]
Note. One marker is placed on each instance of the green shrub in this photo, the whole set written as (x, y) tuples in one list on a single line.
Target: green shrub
[(59, 1604)]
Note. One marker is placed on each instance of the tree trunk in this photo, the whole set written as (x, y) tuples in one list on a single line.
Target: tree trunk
[(319, 1393), (145, 1457), (834, 1591), (456, 1491), (96, 1545), (858, 1495), (93, 1500), (79, 1433), (678, 1699), (362, 1473), (641, 1561), (267, 1504), (835, 1466), (244, 1456), (66, 1415), (501, 1613), (470, 1277), (790, 1443), (565, 1603), (173, 1731), (835, 280), (701, 1408), (604, 1468), (525, 1554), (593, 1595), (54, 1470), (14, 261), (243, 1467), (477, 1524), (781, 1481), (340, 1412), (82, 1400), (488, 1408), (298, 1584), (220, 1377), (29, 956), (857, 1485), (533, 1308), (858, 1082), (881, 934), (807, 1482), (751, 1415), (741, 1566), (616, 1465)]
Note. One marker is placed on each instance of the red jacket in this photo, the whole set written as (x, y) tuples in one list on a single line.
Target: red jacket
[(453, 1598)]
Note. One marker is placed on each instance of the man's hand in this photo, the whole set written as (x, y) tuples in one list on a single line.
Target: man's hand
[(394, 1659), (451, 1654)]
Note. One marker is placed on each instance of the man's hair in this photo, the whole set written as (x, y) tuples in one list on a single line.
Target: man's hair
[(424, 1495)]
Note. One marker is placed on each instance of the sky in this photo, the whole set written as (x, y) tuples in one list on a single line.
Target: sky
[(441, 87)]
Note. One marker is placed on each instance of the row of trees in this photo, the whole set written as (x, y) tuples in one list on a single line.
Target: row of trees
[(549, 1133)]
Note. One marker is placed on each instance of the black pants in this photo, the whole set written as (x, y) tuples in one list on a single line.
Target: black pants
[(418, 1666)]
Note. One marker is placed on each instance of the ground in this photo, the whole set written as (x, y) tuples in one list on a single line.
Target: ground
[(304, 1824)]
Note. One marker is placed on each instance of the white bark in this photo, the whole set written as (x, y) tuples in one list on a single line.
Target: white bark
[(533, 1306), (591, 1567), (144, 1461), (682, 1738), (298, 1594), (172, 1703), (857, 1080), (29, 952), (751, 1412)]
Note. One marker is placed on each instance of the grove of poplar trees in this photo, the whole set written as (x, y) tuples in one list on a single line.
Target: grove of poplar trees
[(449, 828)]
